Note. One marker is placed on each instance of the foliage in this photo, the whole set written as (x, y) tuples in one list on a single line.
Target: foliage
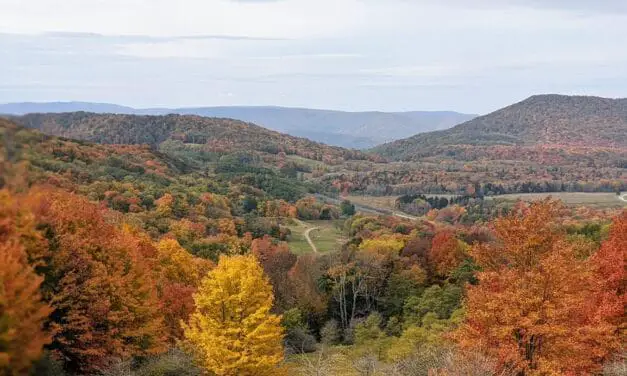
[(22, 311), (178, 275), (347, 208), (446, 252), (93, 274), (232, 331), (330, 333), (536, 305), (440, 301), (276, 260)]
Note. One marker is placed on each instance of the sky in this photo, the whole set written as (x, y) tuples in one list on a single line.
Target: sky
[(390, 55)]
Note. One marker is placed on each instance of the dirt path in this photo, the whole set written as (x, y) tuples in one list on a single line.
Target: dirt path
[(306, 234), (311, 243)]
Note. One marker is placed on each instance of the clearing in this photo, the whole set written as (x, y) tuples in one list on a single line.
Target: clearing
[(599, 200), (325, 236)]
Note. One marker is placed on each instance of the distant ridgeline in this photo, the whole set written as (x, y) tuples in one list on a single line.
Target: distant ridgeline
[(347, 129), (547, 143), (544, 121)]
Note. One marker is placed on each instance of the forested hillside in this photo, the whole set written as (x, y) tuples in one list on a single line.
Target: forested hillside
[(547, 143), (539, 121), (214, 134), (341, 128)]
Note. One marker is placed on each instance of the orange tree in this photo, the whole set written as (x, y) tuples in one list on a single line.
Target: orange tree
[(22, 310), (96, 281), (532, 307)]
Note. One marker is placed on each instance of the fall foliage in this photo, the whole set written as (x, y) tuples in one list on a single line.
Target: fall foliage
[(22, 312), (178, 275), (110, 252), (531, 308), (96, 282), (232, 331)]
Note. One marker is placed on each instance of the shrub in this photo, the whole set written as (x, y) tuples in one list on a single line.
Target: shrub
[(330, 333)]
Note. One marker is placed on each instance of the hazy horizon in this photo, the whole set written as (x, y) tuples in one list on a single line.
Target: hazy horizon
[(344, 55)]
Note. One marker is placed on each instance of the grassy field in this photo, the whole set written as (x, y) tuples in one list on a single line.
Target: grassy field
[(328, 238), (379, 202), (599, 200)]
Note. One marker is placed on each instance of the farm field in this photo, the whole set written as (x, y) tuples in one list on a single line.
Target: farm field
[(595, 199), (377, 202), (600, 200), (327, 236)]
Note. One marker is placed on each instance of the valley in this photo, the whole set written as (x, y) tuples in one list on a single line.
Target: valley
[(316, 236), (357, 130), (313, 188), (349, 256)]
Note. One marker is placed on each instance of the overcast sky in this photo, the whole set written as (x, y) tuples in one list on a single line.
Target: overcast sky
[(340, 54)]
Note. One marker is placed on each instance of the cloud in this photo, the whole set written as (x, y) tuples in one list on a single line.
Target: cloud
[(347, 54), (272, 19)]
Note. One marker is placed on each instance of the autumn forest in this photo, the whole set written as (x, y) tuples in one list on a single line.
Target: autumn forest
[(184, 245)]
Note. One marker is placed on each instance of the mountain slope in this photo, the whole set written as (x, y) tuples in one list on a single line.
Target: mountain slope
[(347, 129), (209, 134), (132, 177), (542, 120)]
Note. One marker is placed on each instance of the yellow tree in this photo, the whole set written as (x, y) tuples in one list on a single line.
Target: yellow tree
[(232, 331)]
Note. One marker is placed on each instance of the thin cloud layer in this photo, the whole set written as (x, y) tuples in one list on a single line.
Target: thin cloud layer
[(342, 54)]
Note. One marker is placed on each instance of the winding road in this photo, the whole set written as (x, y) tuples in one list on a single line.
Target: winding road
[(311, 243)]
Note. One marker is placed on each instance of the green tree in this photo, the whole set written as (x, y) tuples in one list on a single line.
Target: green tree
[(347, 208)]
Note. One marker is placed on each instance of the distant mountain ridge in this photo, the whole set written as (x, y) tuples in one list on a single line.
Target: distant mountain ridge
[(540, 120), (357, 130)]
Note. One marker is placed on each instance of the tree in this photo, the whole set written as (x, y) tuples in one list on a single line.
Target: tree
[(441, 301), (532, 307), (232, 331), (103, 295), (347, 208), (447, 252), (178, 275), (276, 260), (609, 263), (303, 284), (22, 312)]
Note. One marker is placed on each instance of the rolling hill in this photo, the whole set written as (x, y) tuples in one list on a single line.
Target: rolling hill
[(541, 120), (346, 129), (136, 175), (184, 132)]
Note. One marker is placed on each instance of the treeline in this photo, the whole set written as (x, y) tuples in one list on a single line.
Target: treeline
[(217, 135), (391, 183)]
